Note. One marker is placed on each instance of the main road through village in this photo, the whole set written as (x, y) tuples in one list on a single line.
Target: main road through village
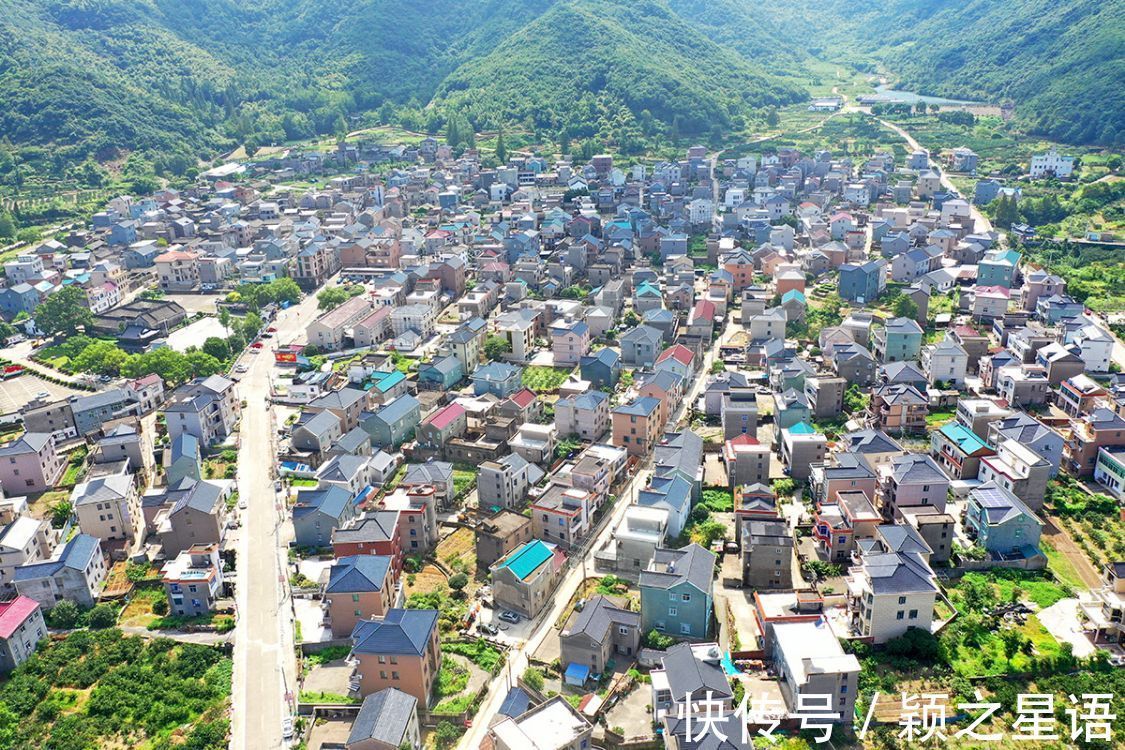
[(265, 667)]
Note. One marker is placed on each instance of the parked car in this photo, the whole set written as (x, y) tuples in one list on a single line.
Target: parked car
[(287, 728), (488, 628), (509, 616)]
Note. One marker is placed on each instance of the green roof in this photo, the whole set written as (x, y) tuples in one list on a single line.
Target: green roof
[(527, 559), (965, 438)]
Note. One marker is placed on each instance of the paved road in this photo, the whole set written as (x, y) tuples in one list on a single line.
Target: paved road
[(982, 222), (264, 662)]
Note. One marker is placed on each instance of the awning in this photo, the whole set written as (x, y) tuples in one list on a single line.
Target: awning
[(577, 674)]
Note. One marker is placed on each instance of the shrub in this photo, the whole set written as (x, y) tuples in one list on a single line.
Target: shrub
[(534, 678), (102, 616), (915, 643), (160, 607), (659, 641), (64, 615), (458, 581)]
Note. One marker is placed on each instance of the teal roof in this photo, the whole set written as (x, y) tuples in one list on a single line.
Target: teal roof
[(388, 380), (527, 559), (796, 294), (965, 438), (802, 428)]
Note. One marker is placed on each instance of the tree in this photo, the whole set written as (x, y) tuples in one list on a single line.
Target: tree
[(216, 347), (64, 615), (496, 346), (772, 118), (251, 325), (631, 319), (60, 513), (855, 400), (160, 607), (102, 616), (332, 297), (7, 226), (446, 733), (501, 149), (225, 318), (285, 290), (458, 581), (659, 641), (64, 311), (905, 307), (718, 366)]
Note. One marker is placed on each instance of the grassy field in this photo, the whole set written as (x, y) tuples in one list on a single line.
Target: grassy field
[(544, 379)]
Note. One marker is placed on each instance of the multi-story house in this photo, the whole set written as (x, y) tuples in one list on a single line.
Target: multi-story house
[(193, 581), (562, 515), (360, 587), (553, 725), (21, 629), (1079, 395), (1031, 433), (641, 346), (394, 423), (636, 426), (505, 482), (178, 270), (467, 342), (747, 461), (107, 507), (801, 447), (30, 464), (400, 651), (899, 340), (958, 450), (1018, 469), (76, 572), (945, 363), (498, 378), (524, 580), (600, 633), (585, 415), (839, 523), (842, 471), (570, 340), (898, 409), (676, 592), (328, 332), (912, 481), (206, 408), (1101, 428), (499, 534), (767, 554), (810, 661), (889, 593), (1002, 523), (1022, 385)]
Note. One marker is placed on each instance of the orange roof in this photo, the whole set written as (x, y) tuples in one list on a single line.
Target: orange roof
[(523, 398), (679, 352)]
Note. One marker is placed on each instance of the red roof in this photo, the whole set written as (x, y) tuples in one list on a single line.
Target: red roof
[(840, 217), (679, 352), (446, 416), (743, 439), (14, 613), (523, 398), (704, 309), (995, 291)]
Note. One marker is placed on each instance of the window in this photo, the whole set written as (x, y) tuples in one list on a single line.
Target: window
[(685, 629), (382, 674), (358, 613), (623, 630), (672, 611), (913, 614), (394, 675), (900, 615), (902, 600), (671, 596), (355, 597), (686, 597)]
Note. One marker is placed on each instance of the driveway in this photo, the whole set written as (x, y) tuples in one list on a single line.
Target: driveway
[(1061, 621), (311, 616)]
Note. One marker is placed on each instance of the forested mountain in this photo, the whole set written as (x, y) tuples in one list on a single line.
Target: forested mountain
[(93, 79)]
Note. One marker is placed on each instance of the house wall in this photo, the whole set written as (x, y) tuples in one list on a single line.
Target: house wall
[(666, 611)]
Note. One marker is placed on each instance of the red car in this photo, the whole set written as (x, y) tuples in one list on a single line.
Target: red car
[(256, 345)]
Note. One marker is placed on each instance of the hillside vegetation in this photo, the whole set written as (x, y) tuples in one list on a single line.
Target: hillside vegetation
[(148, 87)]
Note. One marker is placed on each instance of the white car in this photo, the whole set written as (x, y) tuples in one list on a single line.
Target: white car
[(287, 728), (242, 503), (241, 368), (42, 395)]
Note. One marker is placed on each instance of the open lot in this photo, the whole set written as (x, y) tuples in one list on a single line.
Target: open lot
[(196, 333), (15, 393), (197, 303)]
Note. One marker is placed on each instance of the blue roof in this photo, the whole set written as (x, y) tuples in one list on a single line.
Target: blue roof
[(802, 428), (332, 501), (401, 631), (966, 439), (76, 555), (525, 560), (397, 409), (496, 372), (358, 573), (641, 407), (577, 674), (516, 703), (793, 294)]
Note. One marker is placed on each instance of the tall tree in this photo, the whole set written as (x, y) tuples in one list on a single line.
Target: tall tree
[(64, 311), (501, 149)]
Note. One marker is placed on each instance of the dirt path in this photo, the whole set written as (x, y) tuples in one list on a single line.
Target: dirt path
[(1062, 542)]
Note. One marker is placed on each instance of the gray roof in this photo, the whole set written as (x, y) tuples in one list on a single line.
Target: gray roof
[(76, 556), (917, 469), (358, 574), (102, 489), (341, 399), (385, 716), (689, 675), (671, 567), (353, 440), (899, 573), (870, 441), (400, 632), (197, 495), (397, 409), (431, 472), (378, 526), (318, 423), (998, 504), (29, 442), (598, 616), (678, 451)]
